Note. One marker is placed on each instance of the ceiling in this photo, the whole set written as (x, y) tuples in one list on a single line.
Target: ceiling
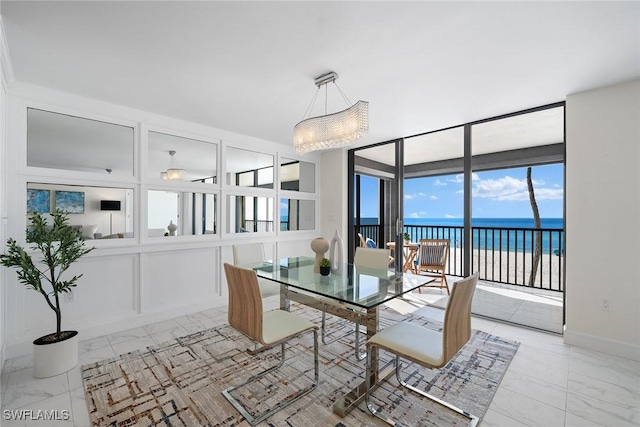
[(248, 67)]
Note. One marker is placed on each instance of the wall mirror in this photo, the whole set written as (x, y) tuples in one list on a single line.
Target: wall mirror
[(297, 214), (250, 214), (178, 158), (246, 168), (97, 212), (60, 141), (297, 176), (180, 213)]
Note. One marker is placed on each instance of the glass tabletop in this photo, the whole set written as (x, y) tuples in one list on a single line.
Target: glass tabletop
[(359, 286)]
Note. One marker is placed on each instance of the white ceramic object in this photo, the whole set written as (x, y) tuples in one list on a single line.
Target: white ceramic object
[(56, 358), (336, 254)]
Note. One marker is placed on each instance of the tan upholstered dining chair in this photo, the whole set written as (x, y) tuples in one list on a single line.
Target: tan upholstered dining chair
[(432, 261), (428, 348), (268, 329)]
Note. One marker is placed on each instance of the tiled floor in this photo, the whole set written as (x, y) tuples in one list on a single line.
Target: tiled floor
[(547, 384)]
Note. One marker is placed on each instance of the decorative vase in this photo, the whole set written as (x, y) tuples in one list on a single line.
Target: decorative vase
[(172, 228), (319, 245), (54, 358), (335, 253)]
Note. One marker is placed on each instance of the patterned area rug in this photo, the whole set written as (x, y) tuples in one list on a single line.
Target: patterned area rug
[(179, 383)]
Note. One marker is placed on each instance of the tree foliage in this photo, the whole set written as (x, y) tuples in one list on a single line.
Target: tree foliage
[(59, 246)]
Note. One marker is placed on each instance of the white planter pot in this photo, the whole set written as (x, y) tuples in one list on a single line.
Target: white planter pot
[(51, 359)]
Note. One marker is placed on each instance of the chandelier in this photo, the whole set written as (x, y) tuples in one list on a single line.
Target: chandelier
[(331, 130), (173, 173)]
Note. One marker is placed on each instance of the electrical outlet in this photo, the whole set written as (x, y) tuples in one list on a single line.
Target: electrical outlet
[(68, 296), (605, 304)]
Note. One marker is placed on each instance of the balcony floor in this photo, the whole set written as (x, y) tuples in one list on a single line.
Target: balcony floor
[(535, 308)]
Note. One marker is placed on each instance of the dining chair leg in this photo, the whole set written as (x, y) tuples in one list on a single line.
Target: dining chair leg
[(283, 403), (358, 354), (473, 420)]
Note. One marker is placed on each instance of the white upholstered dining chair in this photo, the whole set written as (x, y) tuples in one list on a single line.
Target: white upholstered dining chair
[(374, 261), (428, 348), (254, 252)]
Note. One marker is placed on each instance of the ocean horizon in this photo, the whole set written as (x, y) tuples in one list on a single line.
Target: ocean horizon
[(476, 222)]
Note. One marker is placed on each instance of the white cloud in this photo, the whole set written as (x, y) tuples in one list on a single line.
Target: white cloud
[(421, 214), (459, 178), (434, 197), (439, 183), (449, 216), (513, 189), (414, 196)]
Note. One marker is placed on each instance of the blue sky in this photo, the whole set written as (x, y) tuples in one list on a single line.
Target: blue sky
[(496, 194)]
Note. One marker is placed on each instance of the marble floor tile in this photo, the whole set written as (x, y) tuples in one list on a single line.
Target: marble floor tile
[(128, 335), (601, 412), (529, 411), (154, 328), (495, 419), (23, 389), (604, 390), (80, 413), (96, 355), (572, 420), (17, 364), (170, 334), (93, 344), (535, 388)]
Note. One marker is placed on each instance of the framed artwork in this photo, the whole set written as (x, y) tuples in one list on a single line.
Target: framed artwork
[(38, 201), (70, 201)]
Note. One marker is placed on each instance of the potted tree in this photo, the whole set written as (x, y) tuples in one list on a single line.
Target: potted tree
[(406, 237), (59, 247)]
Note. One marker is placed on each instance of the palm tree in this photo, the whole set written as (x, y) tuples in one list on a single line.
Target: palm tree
[(536, 224)]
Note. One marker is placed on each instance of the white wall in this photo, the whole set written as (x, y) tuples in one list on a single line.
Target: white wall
[(333, 202), (603, 219), (128, 282)]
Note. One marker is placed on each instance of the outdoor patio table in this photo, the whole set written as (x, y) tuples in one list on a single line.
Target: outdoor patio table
[(409, 252)]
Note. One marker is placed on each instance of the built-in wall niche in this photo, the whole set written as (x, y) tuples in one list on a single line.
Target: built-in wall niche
[(246, 168), (296, 214), (181, 213), (297, 176), (98, 212), (250, 214), (174, 157), (61, 141)]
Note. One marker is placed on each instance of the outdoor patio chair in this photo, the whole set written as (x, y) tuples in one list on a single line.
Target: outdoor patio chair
[(432, 261), (426, 347), (254, 252), (268, 329), (374, 261)]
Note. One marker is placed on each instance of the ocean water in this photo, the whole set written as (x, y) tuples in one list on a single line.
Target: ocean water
[(513, 234)]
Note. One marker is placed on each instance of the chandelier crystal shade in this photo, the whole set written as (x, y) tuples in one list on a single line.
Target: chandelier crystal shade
[(331, 130), (173, 173)]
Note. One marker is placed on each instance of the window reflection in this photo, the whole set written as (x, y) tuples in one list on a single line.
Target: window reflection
[(248, 168), (97, 212), (60, 141), (249, 214), (297, 176), (297, 214), (177, 213), (197, 158)]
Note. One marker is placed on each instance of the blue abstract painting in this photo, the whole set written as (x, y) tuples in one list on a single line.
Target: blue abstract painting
[(70, 201), (38, 201)]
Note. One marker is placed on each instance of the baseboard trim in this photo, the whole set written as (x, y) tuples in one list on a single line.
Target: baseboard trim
[(24, 347), (603, 345)]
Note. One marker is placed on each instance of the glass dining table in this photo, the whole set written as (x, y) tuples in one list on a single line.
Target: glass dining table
[(356, 292)]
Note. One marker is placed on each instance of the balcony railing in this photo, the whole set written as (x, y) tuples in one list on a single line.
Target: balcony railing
[(503, 255)]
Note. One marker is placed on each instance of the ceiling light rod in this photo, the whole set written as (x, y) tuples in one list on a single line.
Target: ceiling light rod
[(330, 77)]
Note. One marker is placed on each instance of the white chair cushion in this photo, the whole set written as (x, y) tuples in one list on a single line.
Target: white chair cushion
[(280, 324), (415, 342)]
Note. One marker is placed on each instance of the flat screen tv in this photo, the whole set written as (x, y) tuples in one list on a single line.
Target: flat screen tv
[(109, 205)]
